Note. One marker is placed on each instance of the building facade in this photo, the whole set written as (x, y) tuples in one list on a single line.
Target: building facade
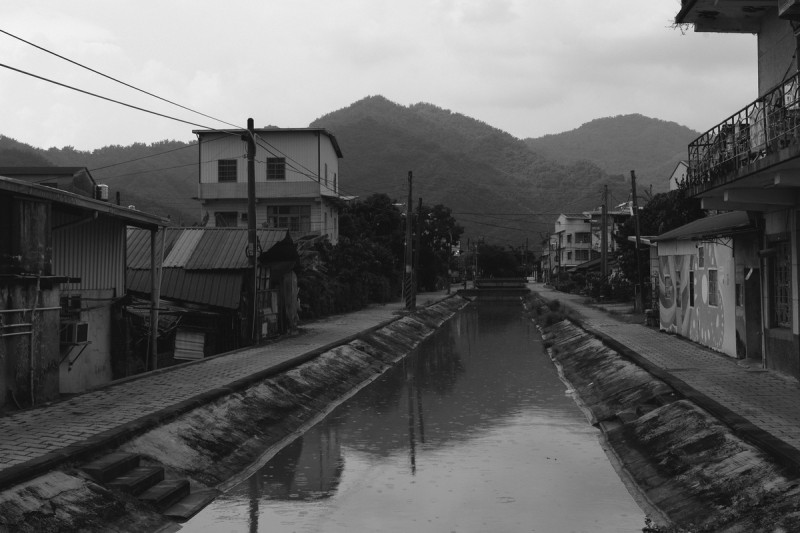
[(62, 276), (706, 281), (749, 162), (296, 180)]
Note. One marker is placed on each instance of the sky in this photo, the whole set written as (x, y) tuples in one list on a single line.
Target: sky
[(528, 67)]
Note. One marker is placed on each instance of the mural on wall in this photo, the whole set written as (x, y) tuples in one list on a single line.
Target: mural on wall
[(691, 302)]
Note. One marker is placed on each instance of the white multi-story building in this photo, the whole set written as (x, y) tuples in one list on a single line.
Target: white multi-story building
[(296, 175)]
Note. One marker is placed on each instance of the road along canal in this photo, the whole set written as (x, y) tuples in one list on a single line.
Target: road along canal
[(473, 431)]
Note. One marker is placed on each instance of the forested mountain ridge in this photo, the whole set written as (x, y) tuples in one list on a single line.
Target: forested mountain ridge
[(619, 144), (499, 187), (496, 186)]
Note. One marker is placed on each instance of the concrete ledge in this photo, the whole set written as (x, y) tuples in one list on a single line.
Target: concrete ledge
[(786, 455)]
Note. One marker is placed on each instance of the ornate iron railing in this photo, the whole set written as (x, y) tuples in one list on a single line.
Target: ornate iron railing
[(763, 127)]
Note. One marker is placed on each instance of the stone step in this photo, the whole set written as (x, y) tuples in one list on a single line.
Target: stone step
[(191, 504), (166, 493), (138, 480), (111, 466)]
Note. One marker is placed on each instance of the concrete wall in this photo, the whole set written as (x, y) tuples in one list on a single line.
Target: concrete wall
[(712, 325), (86, 366), (29, 362), (776, 46)]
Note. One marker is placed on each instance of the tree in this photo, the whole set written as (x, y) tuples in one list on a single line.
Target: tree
[(440, 232), (497, 262), (664, 212)]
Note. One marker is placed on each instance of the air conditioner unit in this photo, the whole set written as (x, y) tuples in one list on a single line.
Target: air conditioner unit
[(789, 9), (74, 333)]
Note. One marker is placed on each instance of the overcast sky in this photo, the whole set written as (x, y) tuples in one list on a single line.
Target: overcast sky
[(529, 67)]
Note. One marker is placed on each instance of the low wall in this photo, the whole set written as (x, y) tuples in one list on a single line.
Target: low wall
[(219, 444), (690, 470)]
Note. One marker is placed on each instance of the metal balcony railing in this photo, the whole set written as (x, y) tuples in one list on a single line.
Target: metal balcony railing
[(763, 127)]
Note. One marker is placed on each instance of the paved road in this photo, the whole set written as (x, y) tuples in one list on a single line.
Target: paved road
[(34, 440), (768, 400)]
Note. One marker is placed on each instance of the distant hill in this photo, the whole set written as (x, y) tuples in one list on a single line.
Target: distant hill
[(619, 144), (159, 178), (497, 187)]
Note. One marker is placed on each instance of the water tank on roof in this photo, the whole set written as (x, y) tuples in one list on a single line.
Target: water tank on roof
[(101, 192)]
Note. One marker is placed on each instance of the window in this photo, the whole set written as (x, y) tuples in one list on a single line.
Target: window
[(569, 256), (678, 288), (569, 238), (701, 257), (276, 168), (782, 285), (226, 170), (226, 219), (583, 238), (296, 218), (335, 182), (581, 255), (713, 290), (668, 289), (691, 288), (326, 174)]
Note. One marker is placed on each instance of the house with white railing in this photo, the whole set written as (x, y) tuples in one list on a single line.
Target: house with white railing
[(296, 180), (750, 161)]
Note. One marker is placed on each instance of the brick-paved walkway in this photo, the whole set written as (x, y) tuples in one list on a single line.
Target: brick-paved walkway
[(768, 400), (37, 438)]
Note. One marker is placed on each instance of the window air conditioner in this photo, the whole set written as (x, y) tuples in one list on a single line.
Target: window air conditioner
[(74, 333)]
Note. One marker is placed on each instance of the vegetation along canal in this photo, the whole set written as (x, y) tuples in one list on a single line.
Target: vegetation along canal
[(473, 431)]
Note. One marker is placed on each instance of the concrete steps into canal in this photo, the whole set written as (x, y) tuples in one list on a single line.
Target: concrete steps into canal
[(171, 497)]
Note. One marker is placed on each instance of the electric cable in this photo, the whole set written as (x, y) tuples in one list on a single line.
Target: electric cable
[(106, 98), (113, 79)]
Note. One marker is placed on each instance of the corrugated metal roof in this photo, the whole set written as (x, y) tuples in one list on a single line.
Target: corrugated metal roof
[(722, 224), (216, 288), (200, 248), (183, 248), (138, 254)]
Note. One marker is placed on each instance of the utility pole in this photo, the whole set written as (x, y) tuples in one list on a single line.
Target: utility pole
[(637, 303), (407, 274), (604, 236), (415, 275), (252, 236)]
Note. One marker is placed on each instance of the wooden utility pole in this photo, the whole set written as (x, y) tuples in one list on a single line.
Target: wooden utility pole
[(637, 303), (604, 236), (252, 235), (415, 275), (408, 274)]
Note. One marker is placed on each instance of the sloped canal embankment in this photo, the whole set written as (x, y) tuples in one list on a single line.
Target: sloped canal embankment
[(216, 445), (683, 461)]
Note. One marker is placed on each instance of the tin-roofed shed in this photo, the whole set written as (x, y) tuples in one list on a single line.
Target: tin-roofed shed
[(206, 272)]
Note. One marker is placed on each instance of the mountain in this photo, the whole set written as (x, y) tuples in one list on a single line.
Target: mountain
[(619, 144), (497, 187), (501, 188)]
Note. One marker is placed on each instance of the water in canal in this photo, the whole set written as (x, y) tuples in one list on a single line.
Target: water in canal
[(473, 432)]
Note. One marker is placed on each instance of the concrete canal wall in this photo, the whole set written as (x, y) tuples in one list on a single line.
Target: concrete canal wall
[(219, 444), (687, 466)]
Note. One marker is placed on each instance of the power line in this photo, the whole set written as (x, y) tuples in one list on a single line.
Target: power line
[(115, 79), (190, 145), (106, 98)]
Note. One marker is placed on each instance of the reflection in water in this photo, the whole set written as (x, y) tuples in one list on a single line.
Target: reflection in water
[(473, 432)]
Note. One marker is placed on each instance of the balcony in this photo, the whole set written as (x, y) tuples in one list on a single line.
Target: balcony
[(750, 148), (269, 189)]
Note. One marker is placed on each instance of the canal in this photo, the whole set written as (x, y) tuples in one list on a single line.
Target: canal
[(474, 431)]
